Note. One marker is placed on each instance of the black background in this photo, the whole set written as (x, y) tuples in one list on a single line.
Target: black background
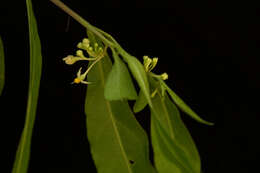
[(208, 48)]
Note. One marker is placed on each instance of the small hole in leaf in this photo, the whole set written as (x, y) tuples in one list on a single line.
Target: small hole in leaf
[(131, 161)]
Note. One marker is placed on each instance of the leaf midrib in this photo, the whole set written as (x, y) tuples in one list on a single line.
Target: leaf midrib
[(167, 117), (169, 124), (113, 120)]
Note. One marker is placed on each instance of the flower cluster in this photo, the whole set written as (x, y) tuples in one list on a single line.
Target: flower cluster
[(149, 65), (95, 54)]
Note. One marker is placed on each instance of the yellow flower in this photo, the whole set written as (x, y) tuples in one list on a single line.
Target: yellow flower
[(80, 77), (149, 63), (70, 59), (93, 52), (96, 54)]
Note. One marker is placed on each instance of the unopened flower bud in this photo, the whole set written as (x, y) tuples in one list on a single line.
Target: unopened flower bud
[(164, 76), (70, 59), (90, 48), (100, 49), (85, 41), (80, 53), (80, 46)]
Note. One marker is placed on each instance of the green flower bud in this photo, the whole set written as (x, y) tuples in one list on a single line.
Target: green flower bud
[(80, 53), (164, 76), (70, 59)]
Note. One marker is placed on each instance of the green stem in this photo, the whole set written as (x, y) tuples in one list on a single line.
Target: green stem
[(98, 59), (107, 35), (155, 76), (98, 32), (117, 45), (83, 22)]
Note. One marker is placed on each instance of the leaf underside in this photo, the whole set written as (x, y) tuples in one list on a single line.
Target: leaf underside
[(23, 151), (140, 76), (117, 141), (119, 84), (174, 149), (140, 103)]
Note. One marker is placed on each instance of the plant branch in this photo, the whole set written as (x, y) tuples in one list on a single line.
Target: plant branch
[(98, 32), (82, 21)]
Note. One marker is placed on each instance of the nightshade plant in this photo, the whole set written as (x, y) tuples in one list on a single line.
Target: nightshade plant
[(119, 144)]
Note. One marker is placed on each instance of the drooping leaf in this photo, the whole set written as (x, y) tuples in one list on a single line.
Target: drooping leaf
[(183, 106), (2, 66), (139, 74), (174, 149), (23, 151), (140, 103), (117, 141), (119, 84)]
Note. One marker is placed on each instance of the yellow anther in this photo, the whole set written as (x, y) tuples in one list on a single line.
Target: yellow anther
[(149, 63), (145, 58), (77, 80), (154, 62)]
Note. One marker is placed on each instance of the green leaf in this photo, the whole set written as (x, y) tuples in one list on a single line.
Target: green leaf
[(139, 74), (23, 151), (140, 103), (2, 66), (117, 141), (183, 106), (119, 84), (174, 149)]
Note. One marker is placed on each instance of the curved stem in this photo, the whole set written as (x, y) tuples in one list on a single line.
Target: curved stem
[(95, 30), (117, 45), (107, 35), (82, 21), (98, 59)]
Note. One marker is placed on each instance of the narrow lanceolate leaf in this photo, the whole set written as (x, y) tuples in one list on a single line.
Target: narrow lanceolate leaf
[(117, 141), (174, 149), (183, 106), (23, 151), (2, 66), (140, 103), (119, 84)]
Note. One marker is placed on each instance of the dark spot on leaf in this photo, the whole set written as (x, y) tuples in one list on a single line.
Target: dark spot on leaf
[(131, 161)]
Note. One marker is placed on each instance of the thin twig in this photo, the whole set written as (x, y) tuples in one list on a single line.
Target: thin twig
[(82, 21)]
